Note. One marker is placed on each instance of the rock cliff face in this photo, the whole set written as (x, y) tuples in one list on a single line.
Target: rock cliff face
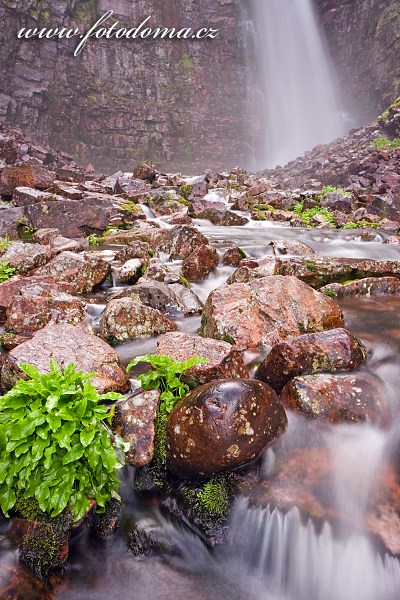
[(364, 37), (183, 103)]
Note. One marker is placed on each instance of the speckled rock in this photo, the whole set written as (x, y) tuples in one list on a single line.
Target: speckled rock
[(146, 171), (223, 425), (46, 235), (356, 397), (250, 269), (169, 299), (200, 263), (127, 318), (134, 420), (13, 286), (26, 257), (163, 203), (83, 271), (233, 256), (129, 272), (216, 212), (225, 361), (180, 241), (140, 232), (135, 249), (283, 247), (265, 311), (23, 196), (62, 244), (321, 270), (10, 219), (68, 344), (26, 176), (38, 304), (329, 351), (370, 286)]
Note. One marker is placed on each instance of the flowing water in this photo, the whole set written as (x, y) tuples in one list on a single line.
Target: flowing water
[(298, 93)]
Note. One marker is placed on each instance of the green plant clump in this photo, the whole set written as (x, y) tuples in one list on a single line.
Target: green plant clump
[(5, 243), (330, 189), (360, 224), (6, 271), (214, 498), (54, 446), (186, 190), (383, 143), (308, 214), (93, 240)]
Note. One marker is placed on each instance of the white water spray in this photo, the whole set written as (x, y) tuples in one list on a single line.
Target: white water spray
[(301, 106)]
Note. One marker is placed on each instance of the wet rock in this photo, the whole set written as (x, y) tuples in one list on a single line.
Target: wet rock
[(42, 546), (255, 270), (10, 219), (63, 244), (25, 257), (13, 286), (329, 351), (140, 232), (233, 256), (345, 203), (134, 420), (180, 241), (146, 171), (83, 271), (393, 239), (23, 196), (70, 191), (223, 425), (169, 299), (178, 219), (225, 361), (127, 318), (46, 235), (38, 304), (68, 344), (370, 286), (134, 250), (129, 272), (336, 398), (216, 212), (321, 270), (25, 176), (200, 263), (265, 311), (162, 203), (19, 583), (283, 247), (159, 271), (106, 524)]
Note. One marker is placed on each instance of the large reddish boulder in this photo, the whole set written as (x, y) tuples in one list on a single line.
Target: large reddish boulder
[(223, 425), (224, 360), (329, 351), (12, 287), (134, 420), (356, 397), (200, 263), (25, 175), (180, 241), (266, 311), (125, 319), (83, 271), (38, 304), (68, 344)]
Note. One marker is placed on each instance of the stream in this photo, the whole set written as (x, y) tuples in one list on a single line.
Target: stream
[(274, 554)]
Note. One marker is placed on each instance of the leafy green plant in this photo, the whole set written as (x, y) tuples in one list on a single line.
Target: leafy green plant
[(165, 375), (6, 271), (54, 445), (93, 240), (331, 189), (5, 243), (308, 214)]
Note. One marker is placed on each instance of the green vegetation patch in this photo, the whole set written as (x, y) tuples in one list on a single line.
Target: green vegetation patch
[(6, 271)]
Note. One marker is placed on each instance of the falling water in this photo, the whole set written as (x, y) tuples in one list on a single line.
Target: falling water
[(301, 105)]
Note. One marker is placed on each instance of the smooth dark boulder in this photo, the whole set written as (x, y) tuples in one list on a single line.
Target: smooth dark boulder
[(223, 425)]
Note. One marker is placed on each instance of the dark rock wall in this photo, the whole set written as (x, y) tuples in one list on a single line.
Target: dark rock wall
[(179, 103), (182, 104), (364, 37)]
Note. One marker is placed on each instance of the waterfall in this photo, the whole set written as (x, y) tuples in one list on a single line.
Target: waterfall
[(300, 106)]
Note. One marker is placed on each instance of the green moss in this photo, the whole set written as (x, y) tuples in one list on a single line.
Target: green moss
[(242, 253), (330, 293), (360, 224), (186, 190), (310, 264), (383, 143), (228, 338), (40, 549), (308, 214), (160, 447), (185, 61), (28, 508), (214, 498), (130, 207)]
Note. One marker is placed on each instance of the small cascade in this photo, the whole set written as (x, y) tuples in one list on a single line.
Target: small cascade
[(300, 101)]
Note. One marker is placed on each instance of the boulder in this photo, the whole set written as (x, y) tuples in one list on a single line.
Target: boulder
[(10, 219), (129, 272), (329, 351), (336, 398), (345, 203), (321, 270), (140, 232), (222, 425), (68, 344), (265, 311), (83, 271), (23, 196), (62, 244), (283, 247), (233, 256), (200, 263), (38, 304), (134, 250), (46, 235), (134, 420), (26, 257), (13, 286), (127, 318), (25, 176), (163, 203), (169, 299), (145, 171), (216, 212), (180, 241), (224, 360), (250, 269), (370, 286)]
